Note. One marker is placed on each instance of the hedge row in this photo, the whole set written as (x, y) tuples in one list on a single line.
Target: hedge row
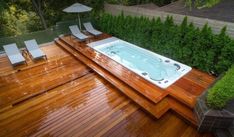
[(222, 92), (185, 43)]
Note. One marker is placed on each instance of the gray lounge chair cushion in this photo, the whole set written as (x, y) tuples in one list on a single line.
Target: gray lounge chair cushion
[(80, 36), (37, 53), (95, 32), (34, 49), (77, 33), (13, 54), (89, 27), (16, 59)]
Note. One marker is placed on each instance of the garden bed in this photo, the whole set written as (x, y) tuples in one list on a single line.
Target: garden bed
[(211, 119), (215, 107)]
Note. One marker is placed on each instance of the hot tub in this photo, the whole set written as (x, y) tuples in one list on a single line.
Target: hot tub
[(153, 67)]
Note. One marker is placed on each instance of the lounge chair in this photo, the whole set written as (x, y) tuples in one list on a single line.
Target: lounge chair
[(14, 54), (77, 33), (34, 50), (89, 27)]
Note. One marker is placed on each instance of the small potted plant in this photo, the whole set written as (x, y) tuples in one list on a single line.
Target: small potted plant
[(214, 108)]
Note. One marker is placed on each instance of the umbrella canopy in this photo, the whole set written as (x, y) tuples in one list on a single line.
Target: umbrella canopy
[(77, 8)]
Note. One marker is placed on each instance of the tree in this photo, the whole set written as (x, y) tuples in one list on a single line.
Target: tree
[(2, 7), (38, 6), (16, 21)]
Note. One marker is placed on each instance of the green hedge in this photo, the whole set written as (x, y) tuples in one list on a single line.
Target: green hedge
[(185, 43), (222, 92)]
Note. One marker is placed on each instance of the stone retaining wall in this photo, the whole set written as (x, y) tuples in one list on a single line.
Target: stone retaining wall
[(197, 21)]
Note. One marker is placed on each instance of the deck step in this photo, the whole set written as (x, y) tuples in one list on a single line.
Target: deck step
[(183, 110)]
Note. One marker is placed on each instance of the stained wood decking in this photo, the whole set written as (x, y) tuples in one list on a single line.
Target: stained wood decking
[(64, 97), (180, 97)]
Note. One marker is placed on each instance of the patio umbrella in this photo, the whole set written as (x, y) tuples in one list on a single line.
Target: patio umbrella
[(77, 8)]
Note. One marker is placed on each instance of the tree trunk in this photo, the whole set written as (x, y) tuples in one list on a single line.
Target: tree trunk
[(37, 6)]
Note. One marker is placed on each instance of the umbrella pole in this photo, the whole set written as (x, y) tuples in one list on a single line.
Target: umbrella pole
[(79, 21)]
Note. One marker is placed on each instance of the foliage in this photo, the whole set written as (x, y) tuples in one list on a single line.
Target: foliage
[(19, 17), (53, 9), (97, 5), (17, 21), (2, 7), (222, 92), (197, 48)]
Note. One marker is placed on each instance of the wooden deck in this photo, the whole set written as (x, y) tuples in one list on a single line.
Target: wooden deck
[(180, 97), (62, 96)]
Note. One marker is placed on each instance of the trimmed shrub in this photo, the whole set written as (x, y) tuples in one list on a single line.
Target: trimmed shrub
[(185, 43), (222, 92)]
